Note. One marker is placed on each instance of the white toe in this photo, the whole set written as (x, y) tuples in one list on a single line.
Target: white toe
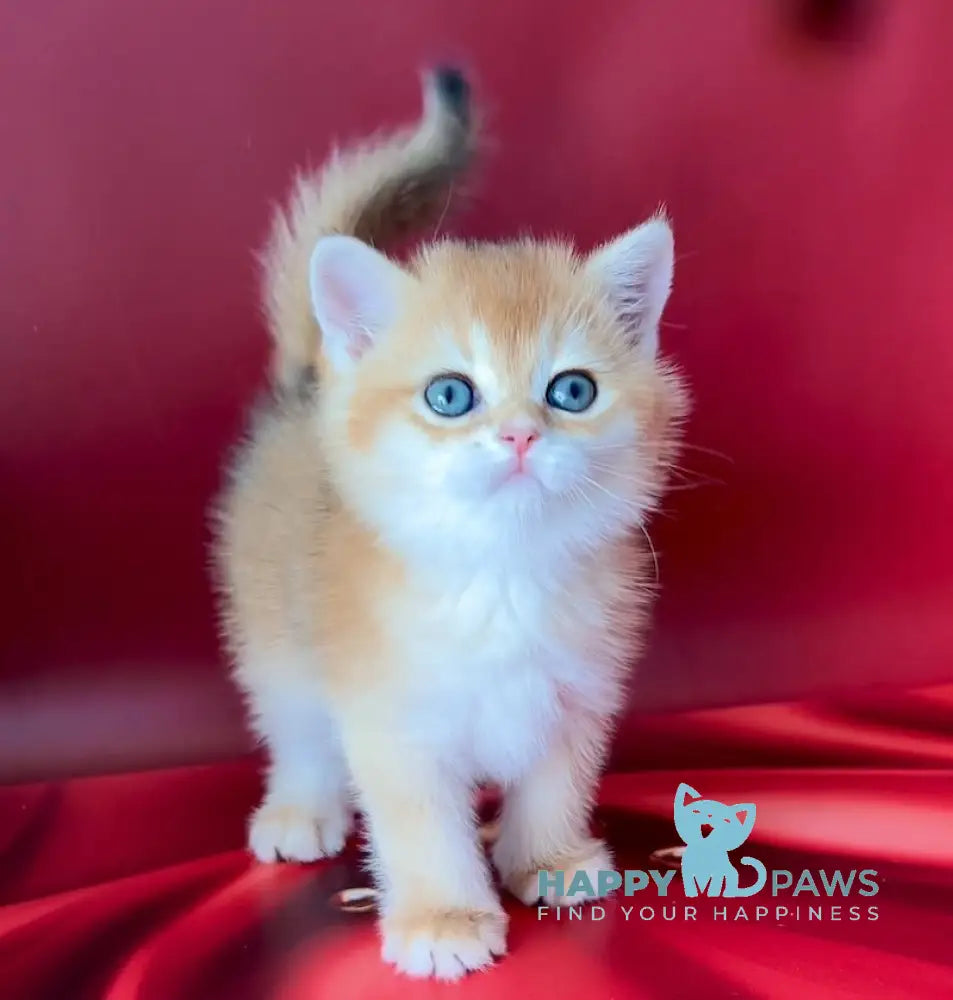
[(451, 946), (293, 833)]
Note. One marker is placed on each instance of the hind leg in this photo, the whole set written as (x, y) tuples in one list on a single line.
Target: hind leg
[(305, 813)]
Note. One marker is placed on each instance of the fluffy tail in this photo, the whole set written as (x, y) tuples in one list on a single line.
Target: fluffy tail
[(378, 192), (760, 880)]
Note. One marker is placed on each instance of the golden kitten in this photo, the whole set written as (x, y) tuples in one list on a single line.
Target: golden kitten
[(432, 549)]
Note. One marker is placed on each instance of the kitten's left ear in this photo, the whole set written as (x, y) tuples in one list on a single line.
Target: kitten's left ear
[(635, 270)]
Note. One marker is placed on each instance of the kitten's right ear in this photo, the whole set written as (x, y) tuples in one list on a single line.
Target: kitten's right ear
[(355, 296), (684, 792)]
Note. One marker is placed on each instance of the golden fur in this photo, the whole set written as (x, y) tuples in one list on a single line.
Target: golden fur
[(401, 634)]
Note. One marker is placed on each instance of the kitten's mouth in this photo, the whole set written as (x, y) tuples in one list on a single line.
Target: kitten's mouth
[(518, 476), (706, 829)]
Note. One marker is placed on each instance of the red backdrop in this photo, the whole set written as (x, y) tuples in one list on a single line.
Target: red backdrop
[(807, 170)]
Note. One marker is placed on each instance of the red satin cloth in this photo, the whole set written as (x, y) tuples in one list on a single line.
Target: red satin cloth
[(135, 886)]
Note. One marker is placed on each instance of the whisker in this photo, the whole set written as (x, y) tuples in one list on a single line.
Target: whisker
[(680, 476), (618, 473), (579, 491), (675, 467), (651, 549), (628, 504), (707, 451), (685, 487), (638, 520)]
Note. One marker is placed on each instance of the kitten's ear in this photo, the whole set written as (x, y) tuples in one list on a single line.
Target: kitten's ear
[(684, 792), (635, 270), (355, 296), (748, 808)]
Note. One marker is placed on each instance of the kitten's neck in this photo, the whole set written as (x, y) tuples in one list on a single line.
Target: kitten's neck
[(551, 544)]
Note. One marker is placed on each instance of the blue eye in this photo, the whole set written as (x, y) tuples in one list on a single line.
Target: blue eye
[(450, 395), (573, 391)]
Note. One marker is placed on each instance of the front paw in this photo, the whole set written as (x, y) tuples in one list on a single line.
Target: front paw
[(445, 944), (282, 832), (592, 858)]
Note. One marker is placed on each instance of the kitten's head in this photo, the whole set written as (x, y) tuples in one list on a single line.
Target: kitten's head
[(490, 395), (710, 822)]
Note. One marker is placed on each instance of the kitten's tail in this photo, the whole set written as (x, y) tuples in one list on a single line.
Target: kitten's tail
[(378, 191), (759, 882)]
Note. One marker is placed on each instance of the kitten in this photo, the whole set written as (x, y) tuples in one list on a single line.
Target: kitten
[(431, 550), (710, 830)]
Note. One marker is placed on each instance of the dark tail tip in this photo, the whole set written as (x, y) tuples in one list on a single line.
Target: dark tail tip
[(453, 88)]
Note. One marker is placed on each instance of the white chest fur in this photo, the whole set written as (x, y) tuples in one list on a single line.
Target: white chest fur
[(491, 682)]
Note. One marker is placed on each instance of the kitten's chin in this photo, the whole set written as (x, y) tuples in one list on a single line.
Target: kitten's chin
[(521, 486), (509, 479)]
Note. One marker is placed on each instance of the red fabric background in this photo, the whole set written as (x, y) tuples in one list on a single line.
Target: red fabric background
[(806, 557)]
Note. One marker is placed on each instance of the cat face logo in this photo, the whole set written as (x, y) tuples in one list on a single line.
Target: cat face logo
[(710, 830)]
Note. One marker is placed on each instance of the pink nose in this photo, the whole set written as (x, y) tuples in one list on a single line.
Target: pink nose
[(521, 440)]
